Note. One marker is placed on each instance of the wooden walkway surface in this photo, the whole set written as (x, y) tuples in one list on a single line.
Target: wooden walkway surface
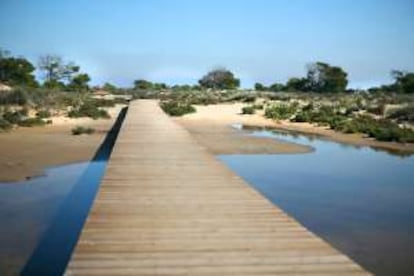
[(168, 207)]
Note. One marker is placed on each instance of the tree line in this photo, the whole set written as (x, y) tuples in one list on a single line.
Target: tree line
[(57, 74)]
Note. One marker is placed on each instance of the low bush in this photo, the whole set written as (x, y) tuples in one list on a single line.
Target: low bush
[(280, 111), (258, 106), (89, 109), (405, 114), (5, 125), (31, 122), (17, 96), (79, 130), (248, 110), (12, 117), (102, 102), (43, 114), (177, 108)]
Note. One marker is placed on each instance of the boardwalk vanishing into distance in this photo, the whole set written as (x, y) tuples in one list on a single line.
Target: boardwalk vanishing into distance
[(166, 206)]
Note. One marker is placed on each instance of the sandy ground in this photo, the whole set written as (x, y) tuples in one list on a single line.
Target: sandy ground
[(211, 126), (26, 152)]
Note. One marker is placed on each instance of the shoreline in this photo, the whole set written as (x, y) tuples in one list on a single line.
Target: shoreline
[(225, 115), (27, 152)]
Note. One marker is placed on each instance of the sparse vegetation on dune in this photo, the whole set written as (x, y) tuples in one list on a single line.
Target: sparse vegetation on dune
[(88, 109), (347, 114)]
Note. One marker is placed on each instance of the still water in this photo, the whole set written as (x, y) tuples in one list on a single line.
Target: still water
[(41, 219), (359, 199), (27, 209)]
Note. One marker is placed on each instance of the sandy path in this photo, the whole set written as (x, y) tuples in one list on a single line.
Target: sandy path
[(28, 151)]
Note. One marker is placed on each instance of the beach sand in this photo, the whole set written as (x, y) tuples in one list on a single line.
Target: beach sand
[(26, 152), (211, 126)]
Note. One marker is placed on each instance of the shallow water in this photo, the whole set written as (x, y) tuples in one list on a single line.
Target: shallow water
[(27, 208), (43, 217), (360, 200)]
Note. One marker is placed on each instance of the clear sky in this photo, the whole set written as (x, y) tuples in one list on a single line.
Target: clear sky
[(177, 41)]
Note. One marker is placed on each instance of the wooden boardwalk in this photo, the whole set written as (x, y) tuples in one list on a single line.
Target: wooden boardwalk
[(168, 207)]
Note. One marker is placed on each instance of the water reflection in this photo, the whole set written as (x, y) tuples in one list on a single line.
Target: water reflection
[(27, 209), (359, 199)]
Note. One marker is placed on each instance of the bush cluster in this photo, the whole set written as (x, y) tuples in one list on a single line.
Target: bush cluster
[(82, 130), (5, 125), (43, 114), (280, 111), (177, 108), (248, 110), (31, 122), (88, 109)]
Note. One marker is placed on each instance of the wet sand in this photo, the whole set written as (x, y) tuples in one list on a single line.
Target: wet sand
[(26, 152), (211, 126)]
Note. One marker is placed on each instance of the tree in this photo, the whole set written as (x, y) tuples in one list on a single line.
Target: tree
[(219, 79), (277, 87), (109, 87), (404, 81), (55, 70), (79, 83), (16, 70), (297, 84), (259, 87), (142, 84), (322, 77)]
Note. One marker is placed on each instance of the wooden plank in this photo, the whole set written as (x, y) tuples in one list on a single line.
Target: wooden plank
[(168, 207)]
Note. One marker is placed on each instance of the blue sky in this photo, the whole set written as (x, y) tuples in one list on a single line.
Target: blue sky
[(177, 41)]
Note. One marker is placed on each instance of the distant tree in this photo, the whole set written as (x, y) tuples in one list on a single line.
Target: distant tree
[(259, 87), (16, 70), (109, 87), (404, 81), (182, 87), (297, 84), (219, 79), (142, 84), (79, 83), (323, 77), (159, 86), (55, 70), (277, 87)]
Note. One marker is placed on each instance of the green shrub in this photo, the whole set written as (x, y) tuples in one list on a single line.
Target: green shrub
[(258, 106), (248, 110), (280, 111), (405, 114), (377, 109), (82, 130), (5, 125), (301, 117), (15, 97), (176, 108), (12, 117), (102, 102), (89, 109), (31, 122), (43, 114)]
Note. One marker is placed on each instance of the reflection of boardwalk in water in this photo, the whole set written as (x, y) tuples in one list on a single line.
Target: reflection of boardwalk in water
[(168, 207)]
